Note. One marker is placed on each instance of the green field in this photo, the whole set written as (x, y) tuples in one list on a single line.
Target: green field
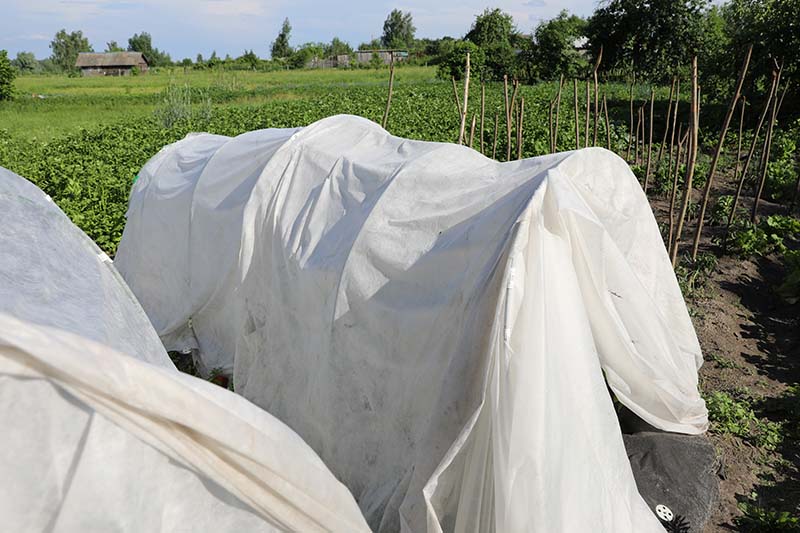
[(83, 140)]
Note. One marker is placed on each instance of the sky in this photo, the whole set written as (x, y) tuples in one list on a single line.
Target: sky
[(184, 28)]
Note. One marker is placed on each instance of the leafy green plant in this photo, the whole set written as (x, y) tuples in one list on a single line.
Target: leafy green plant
[(756, 519), (692, 275), (722, 209), (766, 237), (7, 75), (736, 417)]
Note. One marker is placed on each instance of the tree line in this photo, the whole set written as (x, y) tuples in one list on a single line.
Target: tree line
[(654, 39)]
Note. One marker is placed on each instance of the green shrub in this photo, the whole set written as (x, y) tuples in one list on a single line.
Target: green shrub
[(7, 75), (736, 417), (756, 519)]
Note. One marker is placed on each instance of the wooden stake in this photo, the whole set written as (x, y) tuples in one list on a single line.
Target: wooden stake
[(693, 140), (638, 128), (511, 118), (389, 99), (588, 112), (483, 111), (494, 139), (577, 121), (630, 137), (674, 121), (520, 120), (596, 101), (752, 150), (608, 124), (674, 193), (472, 130), (666, 124), (715, 160), (649, 141), (558, 105), (550, 123), (767, 149), (508, 116), (455, 95), (464, 109)]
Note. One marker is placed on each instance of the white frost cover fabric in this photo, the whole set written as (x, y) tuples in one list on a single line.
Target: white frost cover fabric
[(100, 440), (435, 324)]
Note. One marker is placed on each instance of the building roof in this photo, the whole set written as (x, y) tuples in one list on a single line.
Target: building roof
[(110, 59)]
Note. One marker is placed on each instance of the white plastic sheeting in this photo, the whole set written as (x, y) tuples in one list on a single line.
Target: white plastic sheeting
[(436, 325), (52, 273), (100, 440)]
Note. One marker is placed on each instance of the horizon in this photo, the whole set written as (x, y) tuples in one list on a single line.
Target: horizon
[(183, 28)]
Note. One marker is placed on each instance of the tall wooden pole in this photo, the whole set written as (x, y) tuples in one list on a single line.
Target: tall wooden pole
[(389, 99), (483, 111), (752, 150), (630, 136), (715, 160), (588, 112), (596, 98), (767, 149), (464, 109), (666, 124), (577, 120), (693, 140), (608, 124), (674, 122), (558, 105), (649, 141), (494, 139), (674, 192)]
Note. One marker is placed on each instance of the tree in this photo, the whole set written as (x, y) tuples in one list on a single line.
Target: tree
[(7, 76), (555, 51), (651, 37), (65, 48), (306, 53), (112, 46), (249, 58), (398, 30), (25, 62), (142, 42), (280, 46), (338, 48), (494, 33), (454, 62), (374, 44)]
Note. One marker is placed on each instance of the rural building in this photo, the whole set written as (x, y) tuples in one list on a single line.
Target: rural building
[(111, 63), (365, 56)]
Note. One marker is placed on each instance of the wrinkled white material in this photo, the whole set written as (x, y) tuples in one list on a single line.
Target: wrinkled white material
[(52, 273), (99, 440), (436, 325)]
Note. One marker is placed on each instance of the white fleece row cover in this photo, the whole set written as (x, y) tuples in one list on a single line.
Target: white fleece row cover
[(435, 324), (102, 433)]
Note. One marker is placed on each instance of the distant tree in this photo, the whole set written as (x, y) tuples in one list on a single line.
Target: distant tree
[(213, 60), (280, 46), (398, 30), (112, 46), (199, 59), (305, 53), (651, 37), (25, 62), (494, 33), (555, 51), (65, 48), (142, 42), (453, 63), (250, 59), (338, 48), (185, 62), (7, 75), (435, 50), (374, 44), (773, 28)]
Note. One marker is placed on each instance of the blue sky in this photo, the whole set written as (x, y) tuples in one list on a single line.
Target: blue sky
[(185, 27)]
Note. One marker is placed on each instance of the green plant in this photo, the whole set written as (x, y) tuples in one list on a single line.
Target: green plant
[(766, 237), (790, 288), (722, 209), (692, 275), (756, 519), (736, 417), (7, 75)]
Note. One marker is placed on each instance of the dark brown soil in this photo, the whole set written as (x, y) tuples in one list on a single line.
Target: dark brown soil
[(751, 344)]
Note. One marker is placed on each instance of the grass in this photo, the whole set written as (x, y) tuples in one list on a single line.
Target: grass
[(51, 106)]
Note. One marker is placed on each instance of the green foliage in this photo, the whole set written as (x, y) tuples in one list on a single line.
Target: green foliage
[(453, 64), (692, 275), (494, 33), (280, 46), (112, 46), (783, 168), (652, 38), (65, 48), (722, 209), (338, 47), (554, 47), (790, 288), (398, 30), (25, 63), (7, 75), (736, 417), (143, 42), (756, 519), (766, 237)]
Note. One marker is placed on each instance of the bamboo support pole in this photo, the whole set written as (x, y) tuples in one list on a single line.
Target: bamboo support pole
[(649, 141), (588, 113), (494, 139), (466, 100), (389, 99), (752, 150), (766, 152), (674, 192), (558, 105), (520, 121), (577, 119), (630, 136), (483, 112), (596, 98), (692, 155), (666, 125), (715, 160)]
